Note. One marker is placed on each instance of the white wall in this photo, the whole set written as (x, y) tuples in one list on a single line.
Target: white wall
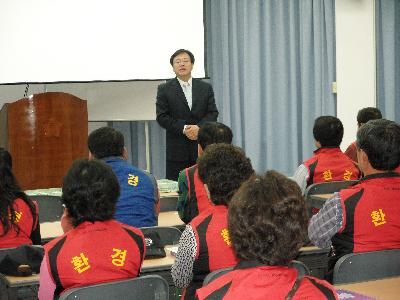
[(106, 101), (355, 62)]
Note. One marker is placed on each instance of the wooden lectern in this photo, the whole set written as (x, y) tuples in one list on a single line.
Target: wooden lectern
[(44, 133)]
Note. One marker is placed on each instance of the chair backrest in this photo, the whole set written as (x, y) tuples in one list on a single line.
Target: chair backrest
[(323, 188), (50, 207), (146, 287), (298, 265), (328, 187), (364, 266), (168, 235)]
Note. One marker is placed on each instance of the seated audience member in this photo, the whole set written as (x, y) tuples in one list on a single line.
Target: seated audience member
[(138, 204), (193, 198), (329, 163), (365, 217), (97, 249), (19, 214), (205, 245), (363, 116), (267, 225)]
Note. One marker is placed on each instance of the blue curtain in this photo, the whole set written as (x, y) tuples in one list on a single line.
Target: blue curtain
[(135, 142), (272, 64), (388, 57)]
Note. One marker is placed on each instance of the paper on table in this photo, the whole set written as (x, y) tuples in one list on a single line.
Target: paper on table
[(172, 249), (345, 294)]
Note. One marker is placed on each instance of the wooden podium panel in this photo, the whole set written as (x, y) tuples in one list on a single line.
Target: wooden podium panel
[(44, 133)]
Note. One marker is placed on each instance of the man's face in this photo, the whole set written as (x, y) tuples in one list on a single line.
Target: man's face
[(182, 66)]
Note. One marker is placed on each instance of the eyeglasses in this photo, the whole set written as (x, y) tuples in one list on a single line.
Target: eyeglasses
[(178, 61)]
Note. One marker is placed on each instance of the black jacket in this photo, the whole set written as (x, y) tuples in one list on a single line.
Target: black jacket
[(173, 113)]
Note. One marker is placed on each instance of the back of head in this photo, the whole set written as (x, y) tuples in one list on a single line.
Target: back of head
[(90, 191), (223, 168), (213, 133), (267, 219), (328, 130), (368, 113), (105, 142), (380, 140)]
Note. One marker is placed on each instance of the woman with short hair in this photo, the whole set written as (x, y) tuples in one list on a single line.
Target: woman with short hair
[(97, 249), (267, 224)]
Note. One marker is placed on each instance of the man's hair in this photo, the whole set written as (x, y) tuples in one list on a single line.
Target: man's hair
[(90, 191), (223, 167), (368, 113), (267, 219), (105, 142), (380, 140), (180, 51), (213, 133), (328, 130)]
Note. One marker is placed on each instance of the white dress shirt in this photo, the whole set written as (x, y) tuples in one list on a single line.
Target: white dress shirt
[(187, 90)]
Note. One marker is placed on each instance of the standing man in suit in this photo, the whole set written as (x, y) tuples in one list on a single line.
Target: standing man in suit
[(183, 105)]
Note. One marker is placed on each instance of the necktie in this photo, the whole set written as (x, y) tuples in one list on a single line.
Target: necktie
[(188, 93)]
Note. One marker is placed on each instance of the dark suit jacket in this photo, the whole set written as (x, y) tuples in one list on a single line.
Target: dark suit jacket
[(173, 113)]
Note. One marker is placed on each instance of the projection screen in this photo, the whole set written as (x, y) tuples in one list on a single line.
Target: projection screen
[(46, 41)]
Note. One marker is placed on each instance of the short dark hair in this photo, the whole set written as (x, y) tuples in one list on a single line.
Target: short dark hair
[(90, 191), (223, 167), (380, 140), (105, 142), (368, 113), (213, 133), (180, 51), (267, 219), (328, 130)]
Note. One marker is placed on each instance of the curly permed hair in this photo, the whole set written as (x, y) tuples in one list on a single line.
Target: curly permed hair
[(90, 191), (223, 168), (267, 219)]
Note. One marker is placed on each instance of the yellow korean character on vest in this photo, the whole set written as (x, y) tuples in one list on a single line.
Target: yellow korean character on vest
[(18, 216), (327, 175), (80, 263), (118, 258), (347, 175), (378, 217), (225, 236), (133, 180)]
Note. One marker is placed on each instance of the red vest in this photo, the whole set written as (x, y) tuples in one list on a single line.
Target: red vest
[(351, 152), (198, 200), (371, 215), (252, 280), (397, 169), (26, 225), (330, 164), (214, 249), (93, 253)]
